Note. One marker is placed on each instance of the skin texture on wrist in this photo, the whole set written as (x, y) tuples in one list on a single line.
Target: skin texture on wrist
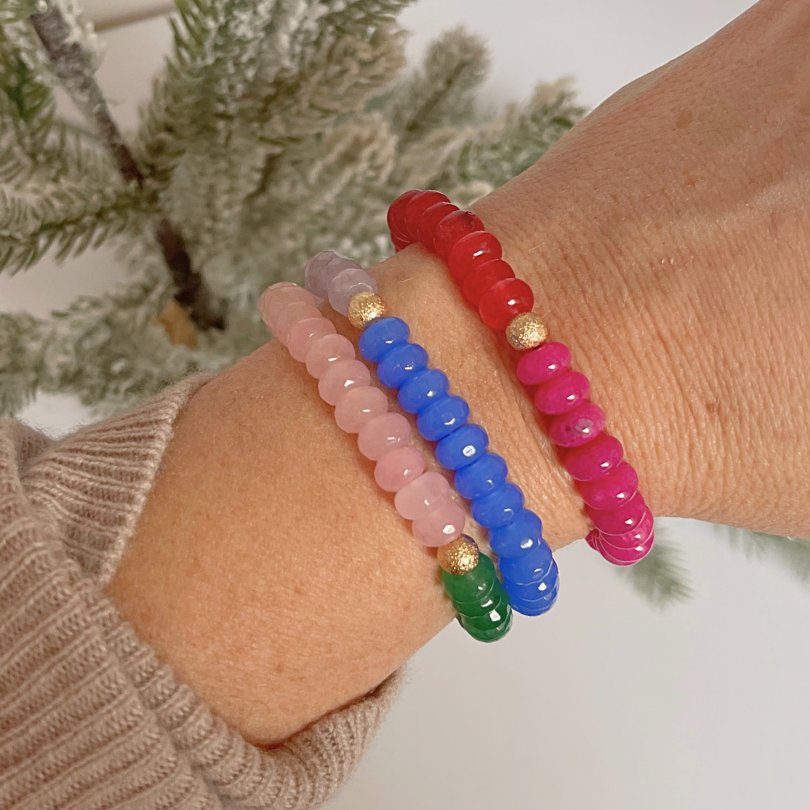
[(665, 238)]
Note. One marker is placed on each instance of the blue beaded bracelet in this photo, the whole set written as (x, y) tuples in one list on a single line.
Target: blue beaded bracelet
[(529, 571)]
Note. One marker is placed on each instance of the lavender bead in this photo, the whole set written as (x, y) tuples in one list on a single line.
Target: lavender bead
[(321, 269), (346, 284)]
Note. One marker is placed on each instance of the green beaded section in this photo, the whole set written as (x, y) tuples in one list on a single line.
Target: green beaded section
[(480, 601)]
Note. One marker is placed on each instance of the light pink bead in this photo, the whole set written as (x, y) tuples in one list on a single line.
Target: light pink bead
[(342, 377), (443, 524), (322, 268), (399, 467), (290, 316), (326, 351), (305, 333), (356, 408), (419, 498), (277, 297), (383, 433)]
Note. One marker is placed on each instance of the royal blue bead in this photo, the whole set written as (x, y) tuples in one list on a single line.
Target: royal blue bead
[(442, 417), (537, 593), (381, 335), (462, 447), (499, 507), (535, 607), (530, 567), (482, 477), (423, 389), (401, 363), (523, 533)]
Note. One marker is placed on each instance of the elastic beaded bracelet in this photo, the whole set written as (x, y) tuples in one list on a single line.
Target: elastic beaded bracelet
[(529, 571), (623, 530), (423, 497)]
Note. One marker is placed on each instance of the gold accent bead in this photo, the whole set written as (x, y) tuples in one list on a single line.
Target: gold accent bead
[(459, 556), (526, 331), (364, 308)]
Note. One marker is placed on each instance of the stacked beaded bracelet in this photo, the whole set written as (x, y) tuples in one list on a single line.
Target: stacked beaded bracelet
[(423, 497), (623, 530), (528, 568)]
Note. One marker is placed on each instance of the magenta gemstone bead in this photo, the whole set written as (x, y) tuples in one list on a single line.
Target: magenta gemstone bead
[(305, 334), (342, 377), (623, 556), (382, 434), (326, 351), (421, 496), (443, 524), (623, 519), (543, 363), (577, 427), (562, 394), (594, 459), (612, 490), (358, 406), (635, 536), (398, 467)]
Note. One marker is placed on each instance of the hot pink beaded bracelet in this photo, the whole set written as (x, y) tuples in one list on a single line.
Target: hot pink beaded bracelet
[(623, 530)]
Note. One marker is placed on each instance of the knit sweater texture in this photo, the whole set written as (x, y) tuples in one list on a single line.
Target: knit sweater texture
[(90, 719)]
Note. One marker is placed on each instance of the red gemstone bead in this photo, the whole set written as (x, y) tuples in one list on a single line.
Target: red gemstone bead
[(470, 251), (483, 278), (430, 219), (400, 244), (396, 215), (452, 228), (417, 206), (503, 301)]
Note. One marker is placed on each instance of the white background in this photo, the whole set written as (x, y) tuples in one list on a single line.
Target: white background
[(604, 702)]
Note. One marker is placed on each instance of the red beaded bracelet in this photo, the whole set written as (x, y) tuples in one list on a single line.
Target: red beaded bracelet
[(623, 530)]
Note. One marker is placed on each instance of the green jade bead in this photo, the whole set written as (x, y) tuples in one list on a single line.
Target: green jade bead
[(475, 585), (491, 619), (489, 635)]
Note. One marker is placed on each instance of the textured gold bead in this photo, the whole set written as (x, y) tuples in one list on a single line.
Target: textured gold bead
[(526, 331), (364, 308), (459, 556)]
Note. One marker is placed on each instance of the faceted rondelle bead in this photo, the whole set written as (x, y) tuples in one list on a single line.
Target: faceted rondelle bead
[(499, 507), (358, 406), (381, 336), (482, 477), (382, 434), (398, 467), (348, 283), (488, 636), (421, 496), (422, 389), (501, 302), (416, 207), (400, 244), (480, 600), (328, 350), (475, 586), (462, 447), (396, 214), (612, 490), (400, 364), (470, 251), (636, 536), (623, 519), (444, 524), (342, 377), (532, 565), (623, 556), (442, 417), (594, 459), (577, 427), (483, 278), (562, 394), (305, 334), (491, 618), (276, 298), (543, 364), (430, 219), (322, 268), (536, 593), (524, 533), (479, 609), (452, 228), (290, 316)]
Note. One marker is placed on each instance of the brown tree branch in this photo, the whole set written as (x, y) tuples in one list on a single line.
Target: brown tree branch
[(71, 66)]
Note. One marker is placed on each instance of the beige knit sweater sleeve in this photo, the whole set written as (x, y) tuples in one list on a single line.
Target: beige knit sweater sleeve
[(90, 719)]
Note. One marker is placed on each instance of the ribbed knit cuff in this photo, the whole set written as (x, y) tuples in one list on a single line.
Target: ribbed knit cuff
[(89, 718)]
